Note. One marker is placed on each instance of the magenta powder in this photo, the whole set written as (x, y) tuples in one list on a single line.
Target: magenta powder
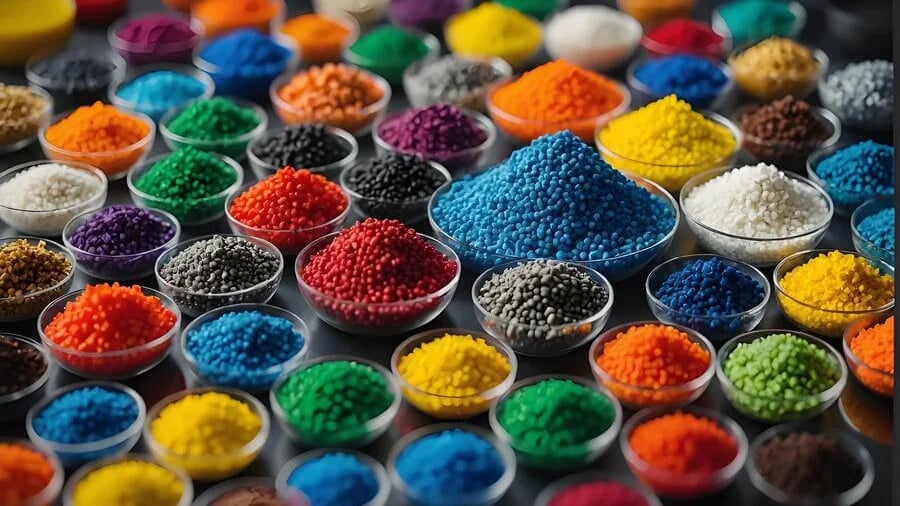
[(156, 38), (440, 132), (427, 14)]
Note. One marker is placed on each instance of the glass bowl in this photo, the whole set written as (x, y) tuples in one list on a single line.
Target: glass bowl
[(68, 93), (109, 365), (75, 454), (774, 85), (50, 493), (721, 27), (642, 94), (114, 164), (524, 130), (475, 100), (407, 212), (690, 484), (573, 480), (29, 305), (452, 407), (295, 496), (248, 85), (118, 267), (880, 120), (775, 409), (876, 380), (326, 52), (194, 303), (232, 147), (542, 340), (209, 467), (846, 498), (41, 120), (138, 54), (263, 169), (392, 71), (788, 155), (348, 438), (486, 497), (374, 319), (845, 202), (16, 404), (713, 51), (602, 57), (190, 212), (458, 161), (569, 457), (154, 111), (257, 380), (860, 243), (637, 397), (820, 321), (757, 251), (652, 13), (187, 486), (717, 328), (672, 176), (213, 494), (518, 58)]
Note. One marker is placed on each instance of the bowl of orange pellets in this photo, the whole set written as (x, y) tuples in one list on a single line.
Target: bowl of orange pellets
[(869, 351), (321, 38), (100, 135), (28, 476)]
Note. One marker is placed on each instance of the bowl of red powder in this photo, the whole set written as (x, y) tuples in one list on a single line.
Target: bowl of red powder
[(869, 350), (591, 488), (686, 36)]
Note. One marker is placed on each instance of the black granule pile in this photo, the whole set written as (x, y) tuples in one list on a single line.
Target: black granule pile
[(810, 465), (74, 72), (20, 365), (395, 177), (302, 146)]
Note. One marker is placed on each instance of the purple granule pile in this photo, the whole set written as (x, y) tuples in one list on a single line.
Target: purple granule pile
[(122, 230), (437, 132)]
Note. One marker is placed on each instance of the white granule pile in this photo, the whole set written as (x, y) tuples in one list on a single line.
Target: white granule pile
[(48, 187), (592, 36)]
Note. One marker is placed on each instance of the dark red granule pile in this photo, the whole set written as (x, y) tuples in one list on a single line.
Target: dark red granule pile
[(598, 493)]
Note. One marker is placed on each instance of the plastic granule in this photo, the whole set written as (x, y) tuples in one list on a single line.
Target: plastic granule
[(85, 415), (23, 473), (335, 479), (594, 493), (320, 38), (774, 68), (221, 16), (693, 79), (244, 62), (96, 128), (684, 36), (857, 173), (156, 92), (878, 229), (132, 482), (752, 20), (875, 347), (387, 51), (493, 30), (213, 119), (683, 443)]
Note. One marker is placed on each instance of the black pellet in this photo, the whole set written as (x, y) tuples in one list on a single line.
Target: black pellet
[(811, 465), (396, 178), (72, 73), (301, 146), (20, 365)]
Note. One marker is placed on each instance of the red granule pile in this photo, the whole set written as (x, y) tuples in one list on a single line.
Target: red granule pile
[(687, 36), (598, 493)]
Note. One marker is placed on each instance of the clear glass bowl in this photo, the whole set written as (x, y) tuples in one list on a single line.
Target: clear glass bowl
[(713, 51), (518, 56), (263, 169), (862, 244), (50, 493), (187, 486), (390, 68), (779, 409), (851, 447), (820, 321), (876, 380), (573, 480), (476, 100), (775, 85), (114, 164), (67, 92), (75, 454), (637, 397), (452, 407), (542, 340), (486, 497), (374, 319), (478, 259), (29, 305), (717, 328), (16, 404), (757, 251), (137, 54), (188, 212), (348, 438), (603, 56), (721, 27), (878, 120), (326, 52), (209, 467), (41, 120), (672, 176), (293, 495), (407, 212), (256, 380), (788, 155), (232, 147), (569, 457), (458, 161), (641, 94), (109, 365), (154, 111), (221, 490), (250, 85), (691, 484), (845, 201), (118, 267), (194, 304)]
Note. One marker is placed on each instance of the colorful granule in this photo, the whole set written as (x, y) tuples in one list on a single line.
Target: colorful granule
[(441, 132), (213, 119), (598, 493), (336, 479), (856, 173), (646, 359), (23, 473), (320, 38), (221, 16), (831, 289), (775, 68), (875, 347), (131, 482), (878, 229), (21, 112), (86, 415), (245, 62), (684, 36), (493, 30), (387, 50)]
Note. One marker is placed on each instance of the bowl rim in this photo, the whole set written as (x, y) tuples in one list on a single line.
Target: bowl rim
[(46, 83), (875, 205), (40, 116), (852, 331), (431, 42), (373, 108), (142, 169), (642, 87), (42, 379), (187, 486), (285, 490), (167, 217), (204, 143), (826, 116), (120, 44), (221, 488), (97, 173), (532, 50), (354, 195), (275, 35), (818, 55), (717, 22), (486, 126), (820, 155), (330, 224), (500, 67), (52, 490), (627, 20), (209, 86), (588, 476), (342, 135), (51, 244), (144, 143)]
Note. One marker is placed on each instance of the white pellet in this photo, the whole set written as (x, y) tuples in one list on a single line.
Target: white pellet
[(592, 36)]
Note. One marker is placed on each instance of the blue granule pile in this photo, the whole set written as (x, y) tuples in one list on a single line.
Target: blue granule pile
[(693, 79)]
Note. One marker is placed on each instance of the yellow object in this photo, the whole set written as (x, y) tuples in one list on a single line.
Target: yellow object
[(34, 28), (494, 30), (774, 68), (451, 375), (129, 483), (205, 434), (666, 141), (842, 284)]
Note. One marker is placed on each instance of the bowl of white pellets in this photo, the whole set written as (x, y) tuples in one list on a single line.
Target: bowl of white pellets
[(861, 94)]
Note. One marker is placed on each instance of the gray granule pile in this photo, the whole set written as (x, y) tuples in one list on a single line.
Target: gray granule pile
[(454, 79), (861, 94)]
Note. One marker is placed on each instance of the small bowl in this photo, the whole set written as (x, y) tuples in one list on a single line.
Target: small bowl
[(357, 123), (189, 213), (757, 251), (637, 397), (16, 404), (42, 119), (518, 58), (154, 111), (109, 365), (542, 340), (240, 84), (67, 93), (194, 304), (221, 490), (373, 428), (169, 52), (524, 130), (772, 86), (717, 328), (850, 445), (823, 322), (776, 409), (118, 267), (50, 493), (232, 147), (114, 164), (475, 100), (862, 244), (845, 202), (294, 496), (642, 94), (877, 119), (392, 71), (75, 454), (486, 497), (721, 27), (672, 177), (572, 456), (13, 309), (651, 13), (606, 57), (788, 155), (187, 486), (552, 490), (326, 53), (407, 212), (263, 169), (209, 467), (692, 484), (452, 407), (876, 380), (713, 51)]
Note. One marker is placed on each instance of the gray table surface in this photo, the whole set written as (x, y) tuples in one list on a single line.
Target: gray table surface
[(630, 305)]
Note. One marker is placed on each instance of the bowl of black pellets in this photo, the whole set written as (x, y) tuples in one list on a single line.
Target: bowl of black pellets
[(312, 146)]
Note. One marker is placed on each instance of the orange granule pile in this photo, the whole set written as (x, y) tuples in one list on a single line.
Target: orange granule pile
[(23, 473), (681, 442), (221, 16), (875, 347), (320, 38), (653, 356), (96, 128)]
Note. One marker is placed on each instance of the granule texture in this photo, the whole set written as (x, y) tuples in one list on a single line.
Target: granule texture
[(694, 79), (394, 178), (132, 482), (335, 479), (491, 29), (319, 37), (49, 186), (683, 443), (76, 73), (23, 473), (775, 67), (878, 229), (857, 173), (874, 346), (387, 50), (452, 79), (213, 119), (21, 365), (751, 20), (449, 464), (219, 17), (156, 92), (593, 493), (245, 62), (220, 264), (308, 146), (440, 132), (21, 113), (27, 267), (815, 466), (96, 128), (861, 94), (593, 36), (784, 131), (121, 230), (86, 415), (684, 36)]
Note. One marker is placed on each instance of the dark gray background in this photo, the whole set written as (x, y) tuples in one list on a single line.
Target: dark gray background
[(630, 305)]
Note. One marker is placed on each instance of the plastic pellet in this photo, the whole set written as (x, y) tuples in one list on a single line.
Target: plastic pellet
[(493, 30), (22, 112), (21, 365), (305, 146), (592, 493), (452, 79), (874, 345), (156, 38), (861, 94), (387, 50), (320, 38), (684, 36), (694, 79), (857, 173), (786, 130), (593, 36), (133, 482), (27, 267), (245, 62), (752, 20), (23, 473), (213, 119), (335, 479), (85, 415), (156, 92), (440, 132), (683, 443), (809, 465), (219, 17), (121, 231), (774, 68)]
